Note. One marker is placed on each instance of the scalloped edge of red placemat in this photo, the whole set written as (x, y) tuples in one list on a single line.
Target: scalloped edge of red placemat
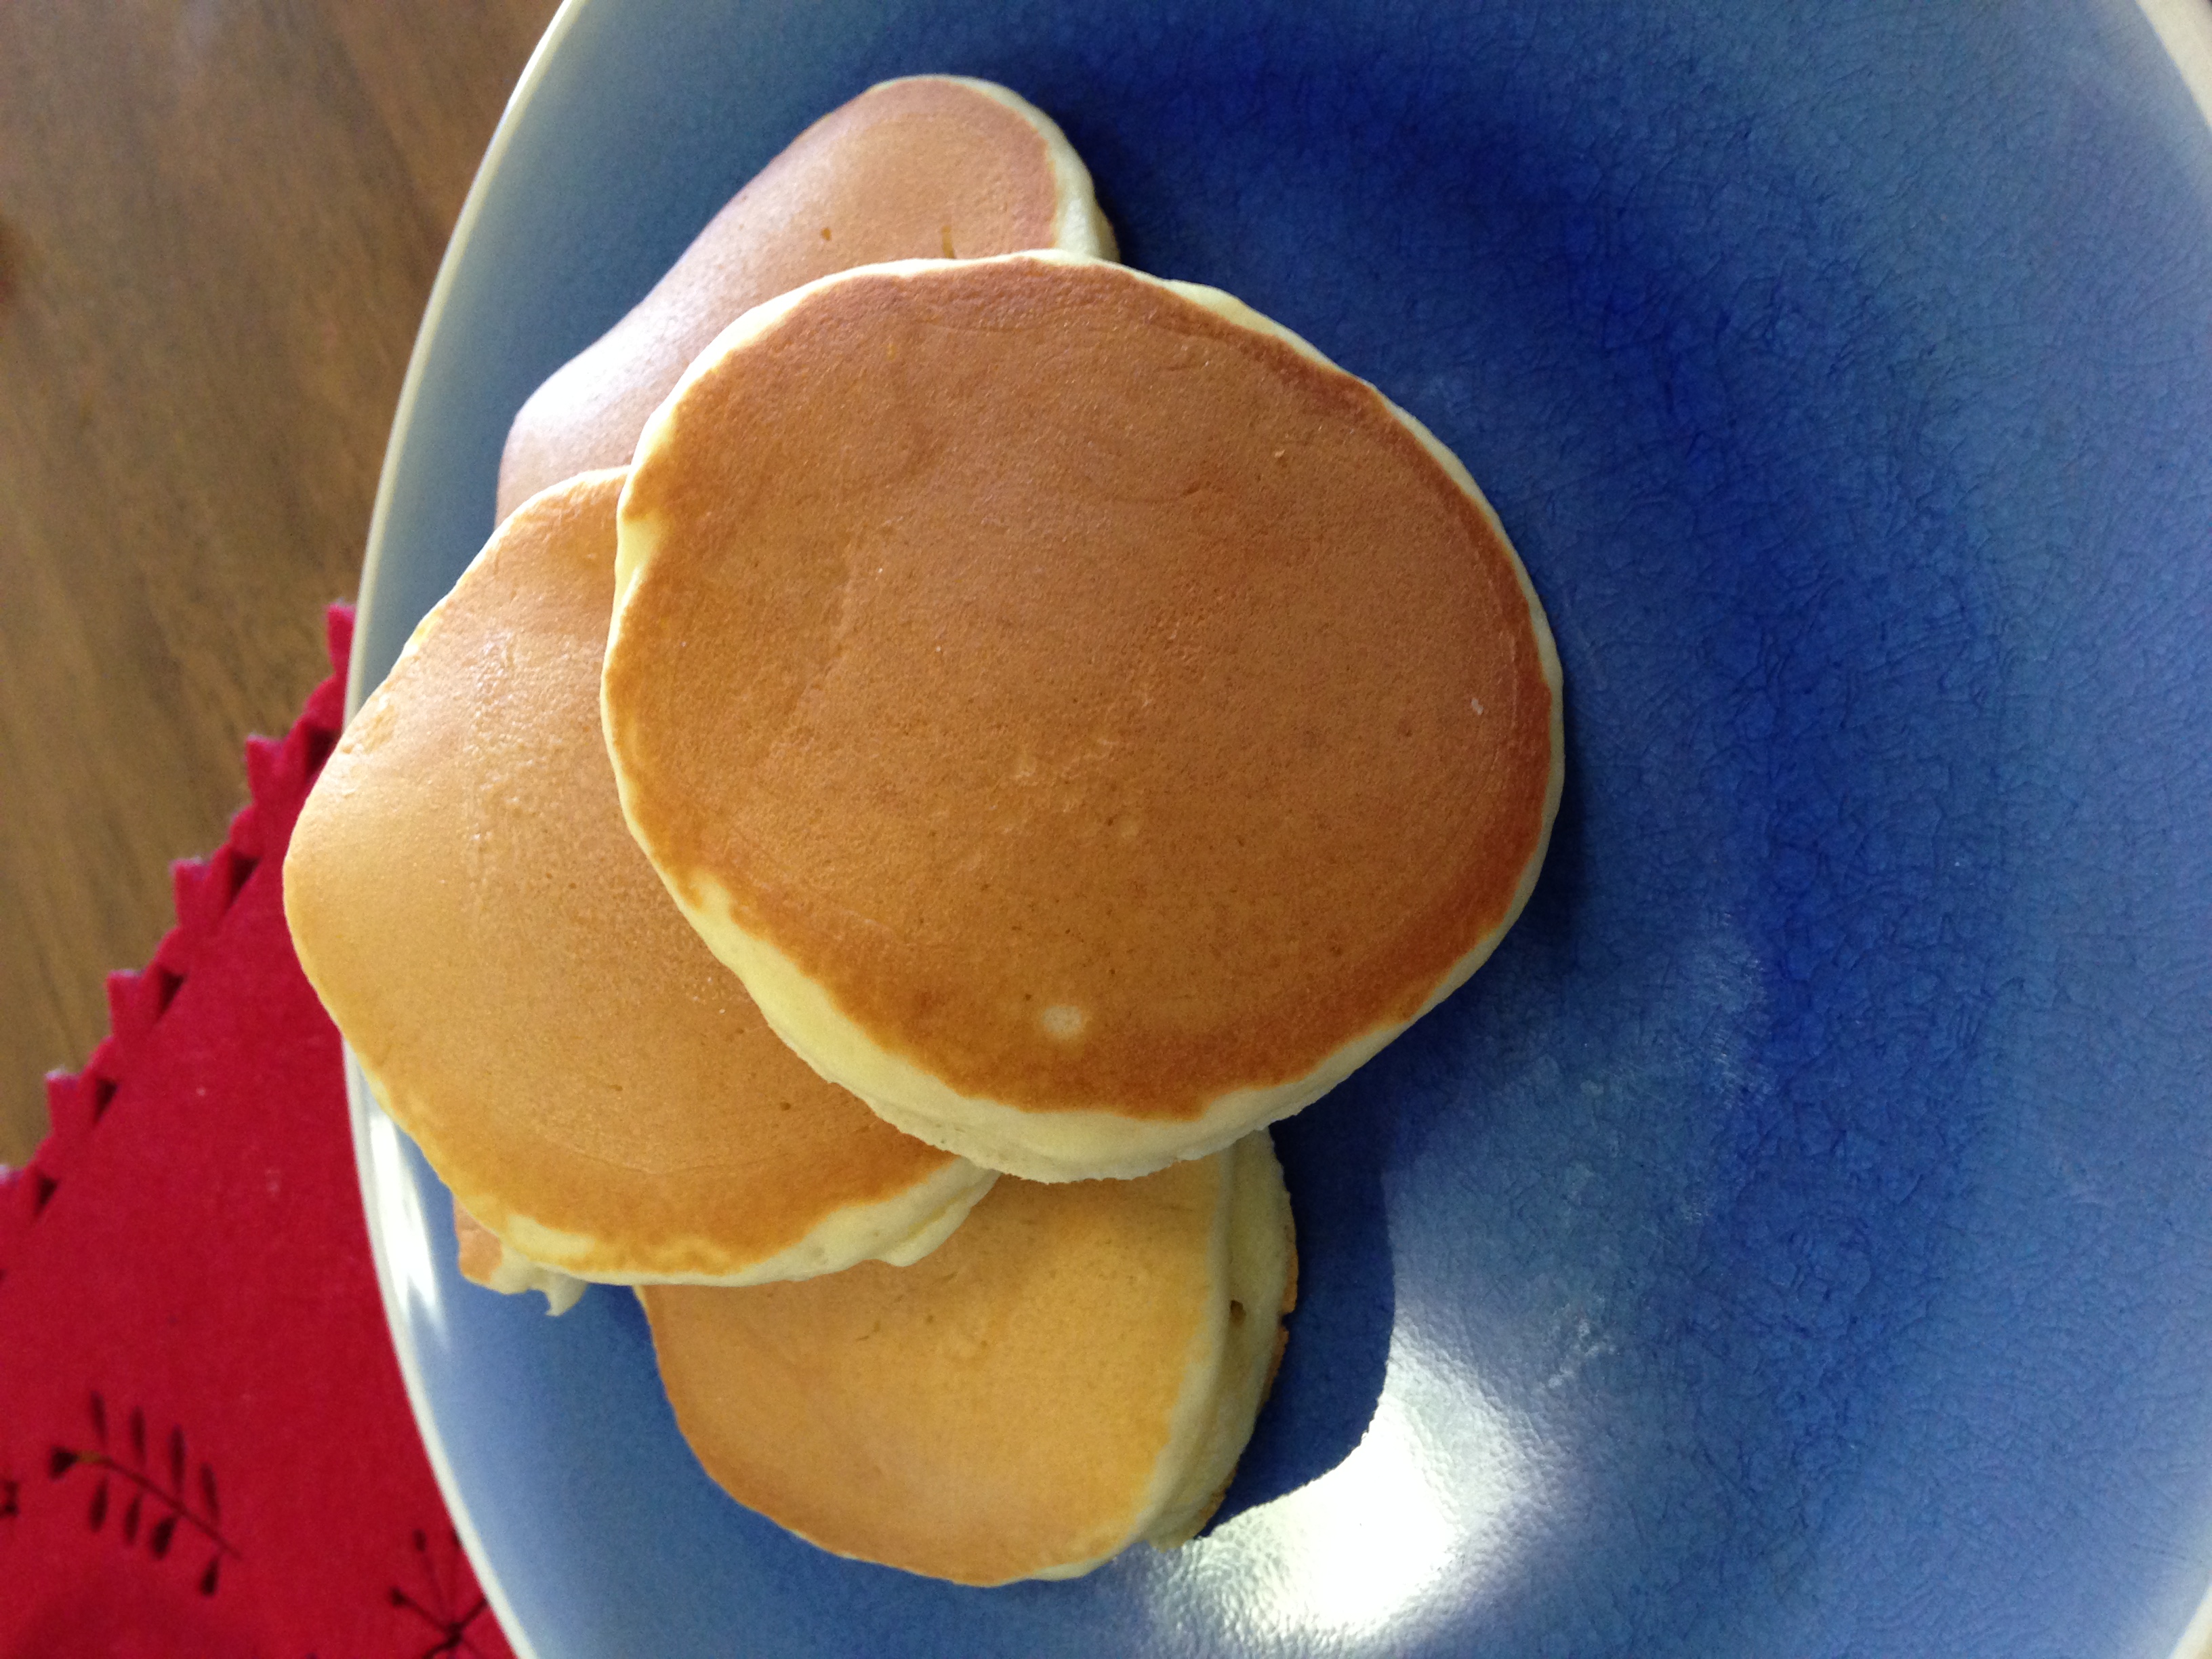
[(279, 776)]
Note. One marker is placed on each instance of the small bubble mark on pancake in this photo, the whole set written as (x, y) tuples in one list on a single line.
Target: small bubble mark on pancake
[(1063, 1020)]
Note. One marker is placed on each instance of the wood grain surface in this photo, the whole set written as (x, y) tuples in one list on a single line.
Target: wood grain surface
[(219, 221)]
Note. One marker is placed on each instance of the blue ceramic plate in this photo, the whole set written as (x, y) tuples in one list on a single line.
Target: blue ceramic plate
[(1798, 1240)]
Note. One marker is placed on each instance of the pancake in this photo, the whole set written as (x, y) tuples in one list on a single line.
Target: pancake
[(1090, 722), (596, 1089), (931, 165), (1078, 1367), (485, 1259)]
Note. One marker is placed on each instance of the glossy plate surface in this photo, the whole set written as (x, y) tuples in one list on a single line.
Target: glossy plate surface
[(1797, 1240)]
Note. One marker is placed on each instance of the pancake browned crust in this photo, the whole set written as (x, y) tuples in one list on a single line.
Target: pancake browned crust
[(1091, 723), (486, 1259), (1078, 1367), (596, 1089), (931, 165)]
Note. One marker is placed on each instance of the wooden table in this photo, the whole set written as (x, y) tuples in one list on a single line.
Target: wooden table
[(219, 221)]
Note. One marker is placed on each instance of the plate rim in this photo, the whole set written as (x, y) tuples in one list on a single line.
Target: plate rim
[(362, 1109)]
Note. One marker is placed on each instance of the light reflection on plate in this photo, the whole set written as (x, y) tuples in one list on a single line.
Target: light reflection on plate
[(1394, 1528), (399, 1223)]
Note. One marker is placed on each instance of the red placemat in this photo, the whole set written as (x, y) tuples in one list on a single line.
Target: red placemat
[(205, 1449)]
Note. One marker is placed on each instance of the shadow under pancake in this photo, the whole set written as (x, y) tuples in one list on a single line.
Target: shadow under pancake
[(1325, 1393), (1334, 1155)]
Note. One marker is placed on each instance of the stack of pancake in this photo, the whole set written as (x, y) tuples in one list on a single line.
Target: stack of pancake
[(939, 703)]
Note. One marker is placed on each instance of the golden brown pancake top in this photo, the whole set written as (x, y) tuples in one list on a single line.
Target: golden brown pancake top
[(997, 1408), (910, 169), (1107, 702), (472, 909)]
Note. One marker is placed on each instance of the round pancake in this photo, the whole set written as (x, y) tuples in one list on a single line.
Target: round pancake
[(1078, 1367), (930, 164), (1091, 723), (597, 1091)]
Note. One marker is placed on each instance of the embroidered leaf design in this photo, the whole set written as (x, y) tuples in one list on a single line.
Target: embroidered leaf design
[(163, 1507)]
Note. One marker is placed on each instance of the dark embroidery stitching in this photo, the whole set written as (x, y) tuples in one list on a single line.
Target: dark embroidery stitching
[(168, 1496), (11, 1489), (451, 1628), (279, 774)]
